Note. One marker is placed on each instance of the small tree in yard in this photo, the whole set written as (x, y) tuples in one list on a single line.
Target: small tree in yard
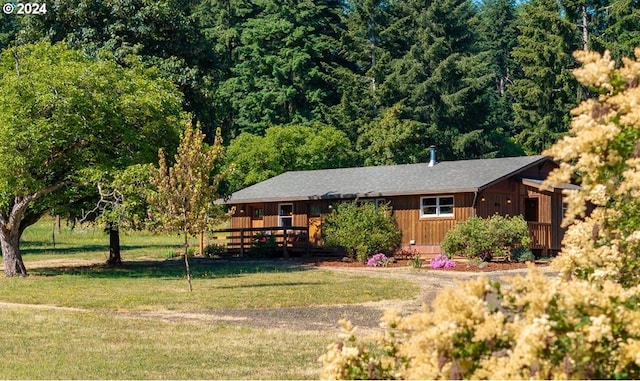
[(362, 229), (122, 204), (184, 194)]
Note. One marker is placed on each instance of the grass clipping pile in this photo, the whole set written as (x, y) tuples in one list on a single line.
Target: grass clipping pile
[(583, 324)]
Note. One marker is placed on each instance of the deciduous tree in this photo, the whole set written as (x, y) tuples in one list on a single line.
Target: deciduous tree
[(286, 148), (64, 117), (184, 193)]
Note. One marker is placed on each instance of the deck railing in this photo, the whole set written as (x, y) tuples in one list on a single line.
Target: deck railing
[(540, 234), (287, 239)]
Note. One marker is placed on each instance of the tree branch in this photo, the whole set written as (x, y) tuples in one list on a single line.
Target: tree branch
[(112, 198), (21, 203)]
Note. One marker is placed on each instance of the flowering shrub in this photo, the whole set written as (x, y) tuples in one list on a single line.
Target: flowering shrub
[(378, 260), (442, 262), (582, 324), (352, 359), (537, 328)]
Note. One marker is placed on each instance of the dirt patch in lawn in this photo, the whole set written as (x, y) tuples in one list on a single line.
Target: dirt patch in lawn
[(365, 316)]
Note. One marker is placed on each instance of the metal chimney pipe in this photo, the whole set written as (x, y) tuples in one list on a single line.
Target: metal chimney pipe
[(432, 162)]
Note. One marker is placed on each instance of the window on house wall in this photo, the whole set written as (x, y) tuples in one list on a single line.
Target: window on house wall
[(531, 209), (315, 210), (440, 206), (285, 215), (380, 201), (257, 213)]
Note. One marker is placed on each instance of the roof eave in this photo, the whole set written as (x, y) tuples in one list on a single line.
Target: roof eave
[(512, 173), (348, 196)]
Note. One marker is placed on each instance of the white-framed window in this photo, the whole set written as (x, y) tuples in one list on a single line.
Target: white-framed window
[(380, 201), (439, 206), (285, 215)]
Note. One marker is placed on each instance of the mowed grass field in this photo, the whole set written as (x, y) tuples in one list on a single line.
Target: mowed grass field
[(73, 317)]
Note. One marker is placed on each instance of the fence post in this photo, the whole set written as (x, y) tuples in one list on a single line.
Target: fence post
[(285, 243), (242, 243)]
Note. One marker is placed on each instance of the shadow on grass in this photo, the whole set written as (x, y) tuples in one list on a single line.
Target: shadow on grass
[(174, 268), (61, 249)]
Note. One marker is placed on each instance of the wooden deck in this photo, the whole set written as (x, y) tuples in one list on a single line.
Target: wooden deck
[(293, 239), (540, 234)]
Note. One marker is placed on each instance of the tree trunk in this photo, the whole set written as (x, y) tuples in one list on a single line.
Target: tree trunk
[(585, 29), (114, 246), (13, 264), (186, 260)]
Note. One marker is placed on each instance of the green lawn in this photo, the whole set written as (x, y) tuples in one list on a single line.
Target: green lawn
[(103, 332), (73, 345)]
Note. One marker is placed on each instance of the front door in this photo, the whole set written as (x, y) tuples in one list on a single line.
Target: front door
[(285, 215), (531, 210), (315, 232)]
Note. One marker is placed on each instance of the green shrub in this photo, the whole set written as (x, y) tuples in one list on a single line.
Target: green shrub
[(522, 254), (212, 251), (361, 229), (486, 238), (263, 245)]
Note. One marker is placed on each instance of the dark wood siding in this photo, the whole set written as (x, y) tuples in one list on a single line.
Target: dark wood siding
[(428, 230)]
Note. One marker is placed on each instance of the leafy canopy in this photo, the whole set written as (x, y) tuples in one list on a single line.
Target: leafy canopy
[(286, 148), (64, 117)]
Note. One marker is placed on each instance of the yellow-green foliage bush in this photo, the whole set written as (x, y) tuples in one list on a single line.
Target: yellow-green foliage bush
[(583, 323), (487, 238)]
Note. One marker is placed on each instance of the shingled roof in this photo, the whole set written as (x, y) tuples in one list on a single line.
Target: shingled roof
[(382, 181)]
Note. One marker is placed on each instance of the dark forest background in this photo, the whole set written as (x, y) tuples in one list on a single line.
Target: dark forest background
[(316, 84)]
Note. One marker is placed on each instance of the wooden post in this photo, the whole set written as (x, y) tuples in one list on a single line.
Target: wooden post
[(53, 234), (242, 243), (201, 244), (285, 243)]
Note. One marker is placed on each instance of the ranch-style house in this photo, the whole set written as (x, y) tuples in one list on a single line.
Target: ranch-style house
[(427, 199)]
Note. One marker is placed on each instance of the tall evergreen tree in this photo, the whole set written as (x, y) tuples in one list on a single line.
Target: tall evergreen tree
[(620, 33), (545, 89), (282, 74), (374, 37), (444, 79), (9, 26), (221, 23), (498, 34)]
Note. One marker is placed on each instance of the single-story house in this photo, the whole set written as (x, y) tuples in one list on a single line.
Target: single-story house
[(427, 199)]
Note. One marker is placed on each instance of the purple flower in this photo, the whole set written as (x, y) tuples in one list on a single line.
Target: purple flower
[(442, 262), (378, 260)]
